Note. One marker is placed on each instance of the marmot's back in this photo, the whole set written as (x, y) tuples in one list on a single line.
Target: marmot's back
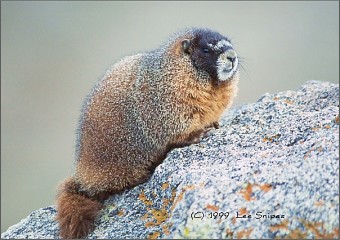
[(109, 138), (145, 105)]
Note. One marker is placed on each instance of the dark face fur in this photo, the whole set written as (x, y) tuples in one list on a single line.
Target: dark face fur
[(212, 53)]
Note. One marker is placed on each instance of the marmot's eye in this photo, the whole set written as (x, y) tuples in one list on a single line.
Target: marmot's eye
[(206, 50)]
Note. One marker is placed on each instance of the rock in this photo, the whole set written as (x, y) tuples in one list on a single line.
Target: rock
[(270, 171)]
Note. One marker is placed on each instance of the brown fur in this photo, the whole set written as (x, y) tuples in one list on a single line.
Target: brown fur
[(76, 217), (133, 117)]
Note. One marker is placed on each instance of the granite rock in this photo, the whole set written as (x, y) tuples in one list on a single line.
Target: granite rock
[(270, 171)]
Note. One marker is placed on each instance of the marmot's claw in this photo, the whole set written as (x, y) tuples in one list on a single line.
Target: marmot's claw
[(216, 125)]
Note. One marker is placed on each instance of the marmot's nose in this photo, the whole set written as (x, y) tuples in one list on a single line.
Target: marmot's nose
[(231, 59), (231, 55)]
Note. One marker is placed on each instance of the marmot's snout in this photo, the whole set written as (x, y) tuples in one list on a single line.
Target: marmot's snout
[(227, 64)]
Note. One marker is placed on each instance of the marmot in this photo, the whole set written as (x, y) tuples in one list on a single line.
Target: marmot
[(144, 106)]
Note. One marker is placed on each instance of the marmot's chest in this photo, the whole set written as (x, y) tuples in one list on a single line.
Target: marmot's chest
[(207, 104)]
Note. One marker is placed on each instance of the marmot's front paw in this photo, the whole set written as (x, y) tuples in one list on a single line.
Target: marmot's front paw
[(216, 125), (207, 130)]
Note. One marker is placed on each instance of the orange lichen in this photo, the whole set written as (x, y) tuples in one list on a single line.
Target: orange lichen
[(157, 216), (229, 233), (265, 139), (309, 152), (165, 228), (282, 225), (316, 228), (316, 128), (145, 216), (160, 215), (233, 220), (337, 120), (144, 199), (319, 203), (271, 138), (165, 186), (265, 187), (154, 235), (212, 207), (319, 231), (288, 102), (120, 212), (327, 126), (296, 234), (243, 211), (165, 201), (244, 233), (173, 195), (150, 224), (247, 192)]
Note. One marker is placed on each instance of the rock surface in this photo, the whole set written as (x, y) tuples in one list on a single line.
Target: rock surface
[(275, 162)]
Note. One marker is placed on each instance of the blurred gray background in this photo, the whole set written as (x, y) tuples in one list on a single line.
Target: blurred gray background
[(53, 52)]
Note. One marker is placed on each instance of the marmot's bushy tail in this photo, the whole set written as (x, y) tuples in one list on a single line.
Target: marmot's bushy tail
[(76, 212)]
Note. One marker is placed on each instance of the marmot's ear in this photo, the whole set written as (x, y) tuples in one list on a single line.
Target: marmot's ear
[(186, 45)]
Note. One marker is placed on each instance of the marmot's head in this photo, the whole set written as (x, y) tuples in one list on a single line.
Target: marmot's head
[(213, 53)]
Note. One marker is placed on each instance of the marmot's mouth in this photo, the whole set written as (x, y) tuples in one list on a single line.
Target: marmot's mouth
[(227, 64)]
